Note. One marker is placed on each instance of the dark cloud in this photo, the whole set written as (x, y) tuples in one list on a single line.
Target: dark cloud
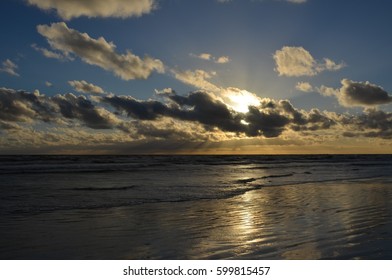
[(362, 94), (80, 108), (269, 119), (143, 110), (8, 125), (269, 124), (203, 108), (197, 107), (191, 117), (21, 106), (373, 123)]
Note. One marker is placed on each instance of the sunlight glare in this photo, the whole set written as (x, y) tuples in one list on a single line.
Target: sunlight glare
[(240, 100)]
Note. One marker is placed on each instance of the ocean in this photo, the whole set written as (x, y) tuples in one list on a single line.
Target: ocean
[(196, 207)]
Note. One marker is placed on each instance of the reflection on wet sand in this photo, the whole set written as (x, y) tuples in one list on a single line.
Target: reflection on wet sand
[(293, 222), (310, 221)]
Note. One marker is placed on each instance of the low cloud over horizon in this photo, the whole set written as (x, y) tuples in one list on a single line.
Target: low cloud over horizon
[(198, 117)]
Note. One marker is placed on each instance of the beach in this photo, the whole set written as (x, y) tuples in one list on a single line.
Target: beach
[(333, 219)]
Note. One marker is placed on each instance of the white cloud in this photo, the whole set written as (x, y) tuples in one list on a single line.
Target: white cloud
[(205, 56), (85, 87), (50, 54), (164, 91), (48, 84), (68, 9), (304, 86), (99, 52), (198, 78), (296, 62), (9, 67), (210, 57), (332, 66), (222, 59), (327, 91)]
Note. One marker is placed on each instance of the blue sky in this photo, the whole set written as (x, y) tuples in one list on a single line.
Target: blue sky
[(329, 56)]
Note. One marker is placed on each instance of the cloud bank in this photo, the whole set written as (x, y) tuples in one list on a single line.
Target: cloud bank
[(98, 52), (177, 122), (269, 119)]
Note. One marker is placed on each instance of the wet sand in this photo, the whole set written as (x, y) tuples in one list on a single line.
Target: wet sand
[(335, 220)]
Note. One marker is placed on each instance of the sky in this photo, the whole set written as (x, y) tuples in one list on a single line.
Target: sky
[(195, 77)]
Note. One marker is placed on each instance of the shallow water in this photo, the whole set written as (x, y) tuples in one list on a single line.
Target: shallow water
[(196, 208)]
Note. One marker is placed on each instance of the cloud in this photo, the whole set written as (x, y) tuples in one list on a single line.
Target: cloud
[(85, 87), (48, 84), (304, 86), (50, 54), (143, 110), (269, 118), (357, 94), (210, 57), (25, 107), (8, 125), (222, 59), (331, 65), (99, 52), (296, 62), (68, 9), (327, 91), (9, 67), (372, 123), (21, 106), (362, 94), (198, 78), (205, 56), (80, 108), (164, 91), (198, 118)]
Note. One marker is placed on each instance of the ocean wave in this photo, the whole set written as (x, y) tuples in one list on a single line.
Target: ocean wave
[(123, 188)]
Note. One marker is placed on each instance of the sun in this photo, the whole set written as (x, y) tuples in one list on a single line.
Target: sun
[(240, 100)]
